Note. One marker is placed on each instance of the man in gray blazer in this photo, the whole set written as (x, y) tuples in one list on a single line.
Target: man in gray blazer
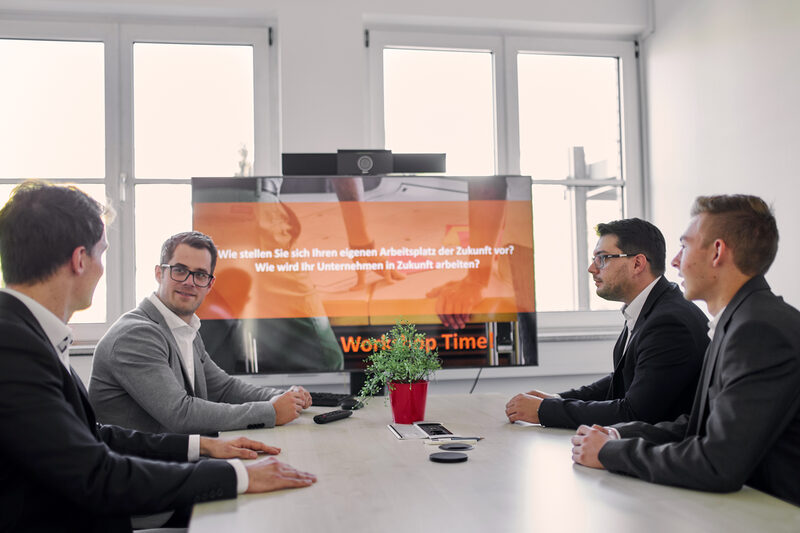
[(744, 426), (151, 371)]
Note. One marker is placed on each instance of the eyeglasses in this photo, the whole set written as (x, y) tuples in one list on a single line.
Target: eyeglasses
[(181, 273), (600, 260)]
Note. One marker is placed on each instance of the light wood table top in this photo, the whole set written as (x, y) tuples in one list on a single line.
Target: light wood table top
[(519, 478)]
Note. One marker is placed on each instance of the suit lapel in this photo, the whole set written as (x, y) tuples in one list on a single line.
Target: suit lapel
[(153, 314), (621, 348), (701, 400), (88, 412), (618, 357), (620, 345), (199, 373), (701, 397), (661, 286)]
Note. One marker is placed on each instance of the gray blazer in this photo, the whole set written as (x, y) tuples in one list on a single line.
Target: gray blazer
[(139, 381), (744, 426)]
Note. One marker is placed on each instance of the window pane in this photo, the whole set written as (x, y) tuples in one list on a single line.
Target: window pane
[(97, 312), (603, 204), (554, 248), (193, 109), (569, 128), (441, 101), (52, 108), (567, 101), (554, 239), (161, 211)]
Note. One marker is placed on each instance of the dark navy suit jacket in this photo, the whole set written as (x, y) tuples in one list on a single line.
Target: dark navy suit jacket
[(654, 379), (61, 471)]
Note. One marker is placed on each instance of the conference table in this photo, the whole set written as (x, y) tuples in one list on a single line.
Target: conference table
[(518, 478)]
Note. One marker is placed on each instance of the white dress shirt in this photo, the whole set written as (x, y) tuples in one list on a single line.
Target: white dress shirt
[(712, 324), (632, 310)]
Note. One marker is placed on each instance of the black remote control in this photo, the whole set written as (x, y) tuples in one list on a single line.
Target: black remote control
[(330, 416)]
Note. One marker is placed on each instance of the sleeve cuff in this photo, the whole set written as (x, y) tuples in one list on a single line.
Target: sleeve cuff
[(242, 479), (613, 432), (194, 448)]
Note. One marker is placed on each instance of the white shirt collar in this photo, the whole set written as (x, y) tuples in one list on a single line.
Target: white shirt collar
[(712, 324), (632, 310), (173, 321), (58, 333)]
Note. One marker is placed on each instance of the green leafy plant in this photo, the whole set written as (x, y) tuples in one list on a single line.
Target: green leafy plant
[(399, 357)]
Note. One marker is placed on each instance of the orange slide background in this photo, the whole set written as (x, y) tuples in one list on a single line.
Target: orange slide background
[(297, 281)]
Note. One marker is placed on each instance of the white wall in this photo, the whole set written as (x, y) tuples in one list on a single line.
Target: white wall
[(722, 83)]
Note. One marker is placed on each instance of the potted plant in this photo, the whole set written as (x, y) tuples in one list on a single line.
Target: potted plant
[(401, 361)]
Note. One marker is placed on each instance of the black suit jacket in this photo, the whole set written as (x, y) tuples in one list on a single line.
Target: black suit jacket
[(61, 471), (744, 426), (656, 376)]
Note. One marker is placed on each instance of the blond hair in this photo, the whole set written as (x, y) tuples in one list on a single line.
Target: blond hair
[(746, 224)]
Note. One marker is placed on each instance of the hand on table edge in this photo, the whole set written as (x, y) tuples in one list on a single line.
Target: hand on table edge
[(235, 448), (587, 443), (269, 474), (524, 407)]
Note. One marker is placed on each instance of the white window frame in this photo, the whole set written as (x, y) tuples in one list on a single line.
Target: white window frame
[(266, 129), (380, 40), (564, 325), (118, 36)]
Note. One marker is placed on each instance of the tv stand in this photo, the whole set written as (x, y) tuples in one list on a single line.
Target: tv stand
[(357, 380)]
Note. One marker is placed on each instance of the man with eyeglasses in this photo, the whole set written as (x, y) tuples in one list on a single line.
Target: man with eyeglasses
[(657, 356), (151, 371)]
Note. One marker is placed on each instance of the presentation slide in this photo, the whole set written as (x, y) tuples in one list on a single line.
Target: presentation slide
[(359, 255)]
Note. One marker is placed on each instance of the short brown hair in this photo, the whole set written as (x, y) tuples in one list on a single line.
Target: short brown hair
[(746, 224), (40, 227), (195, 239), (637, 236)]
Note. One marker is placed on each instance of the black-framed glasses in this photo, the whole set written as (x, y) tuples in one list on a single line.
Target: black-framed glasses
[(600, 260), (181, 273)]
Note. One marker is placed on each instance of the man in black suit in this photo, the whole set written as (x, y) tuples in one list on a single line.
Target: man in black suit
[(61, 470), (658, 355), (744, 426)]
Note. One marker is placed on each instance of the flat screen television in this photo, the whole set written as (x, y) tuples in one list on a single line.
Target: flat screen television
[(310, 268)]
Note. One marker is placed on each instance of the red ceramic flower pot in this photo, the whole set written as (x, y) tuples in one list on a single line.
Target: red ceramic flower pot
[(408, 401)]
